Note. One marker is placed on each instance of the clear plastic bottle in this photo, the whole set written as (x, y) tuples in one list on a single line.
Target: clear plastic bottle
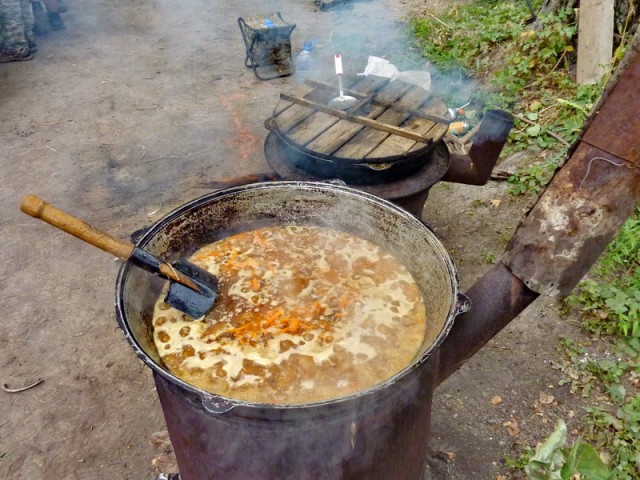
[(307, 63)]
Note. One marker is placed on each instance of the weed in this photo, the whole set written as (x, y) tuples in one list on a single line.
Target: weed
[(532, 179), (519, 462), (618, 432), (613, 426), (505, 237), (527, 73), (554, 460), (490, 258), (609, 299)]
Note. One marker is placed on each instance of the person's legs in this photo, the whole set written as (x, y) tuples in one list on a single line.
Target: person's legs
[(51, 5), (53, 12), (41, 21), (27, 21), (15, 45)]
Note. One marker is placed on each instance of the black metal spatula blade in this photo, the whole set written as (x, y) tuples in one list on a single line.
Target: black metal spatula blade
[(183, 298)]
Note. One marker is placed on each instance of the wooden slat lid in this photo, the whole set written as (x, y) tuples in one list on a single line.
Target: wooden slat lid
[(390, 120)]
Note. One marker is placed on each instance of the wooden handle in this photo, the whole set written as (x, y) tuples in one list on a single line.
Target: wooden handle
[(173, 274), (38, 208)]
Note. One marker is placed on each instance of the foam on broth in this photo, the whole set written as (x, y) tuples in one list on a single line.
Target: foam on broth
[(304, 314)]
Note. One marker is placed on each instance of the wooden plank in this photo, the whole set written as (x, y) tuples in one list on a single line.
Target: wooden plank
[(336, 90), (363, 98), (344, 130), (595, 40), (368, 139), (287, 114), (324, 116), (434, 115), (332, 112), (395, 145)]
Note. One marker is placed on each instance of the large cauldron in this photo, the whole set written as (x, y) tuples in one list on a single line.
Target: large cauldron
[(380, 433)]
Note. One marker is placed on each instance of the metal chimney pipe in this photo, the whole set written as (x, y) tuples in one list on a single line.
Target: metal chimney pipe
[(475, 167), (585, 205)]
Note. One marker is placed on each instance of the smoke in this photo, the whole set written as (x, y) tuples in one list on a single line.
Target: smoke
[(362, 28)]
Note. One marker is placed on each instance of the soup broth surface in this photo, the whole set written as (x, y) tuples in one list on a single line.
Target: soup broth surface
[(304, 314)]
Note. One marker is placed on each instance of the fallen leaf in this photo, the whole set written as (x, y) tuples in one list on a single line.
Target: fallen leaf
[(606, 457), (546, 399), (495, 202), (512, 428), (160, 439), (497, 400), (165, 463)]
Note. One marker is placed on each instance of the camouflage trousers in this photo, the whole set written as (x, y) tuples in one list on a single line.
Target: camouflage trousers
[(16, 27)]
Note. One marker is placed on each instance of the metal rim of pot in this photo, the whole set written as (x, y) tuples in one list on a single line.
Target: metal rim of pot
[(430, 165), (415, 156), (220, 404)]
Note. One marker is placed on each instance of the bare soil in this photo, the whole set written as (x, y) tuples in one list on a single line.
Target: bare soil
[(133, 111)]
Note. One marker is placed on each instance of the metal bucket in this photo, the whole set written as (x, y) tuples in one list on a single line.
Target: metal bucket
[(379, 433)]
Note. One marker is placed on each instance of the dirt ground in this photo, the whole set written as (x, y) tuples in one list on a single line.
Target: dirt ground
[(128, 114)]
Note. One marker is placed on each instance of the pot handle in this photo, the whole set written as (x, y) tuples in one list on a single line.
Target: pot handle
[(463, 304), (270, 125), (138, 234), (216, 405)]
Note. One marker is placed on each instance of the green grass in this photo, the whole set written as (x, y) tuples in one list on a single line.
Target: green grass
[(523, 71), (609, 299), (609, 304), (612, 426)]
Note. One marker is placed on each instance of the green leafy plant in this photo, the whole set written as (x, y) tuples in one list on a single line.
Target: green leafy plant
[(521, 461), (465, 37), (532, 179), (553, 460), (529, 73), (609, 299), (618, 432), (535, 55), (522, 70), (490, 258), (613, 425)]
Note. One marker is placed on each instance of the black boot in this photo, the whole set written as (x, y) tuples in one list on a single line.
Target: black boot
[(40, 20), (55, 20)]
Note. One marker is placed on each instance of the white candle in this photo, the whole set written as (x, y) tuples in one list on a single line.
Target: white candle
[(338, 64)]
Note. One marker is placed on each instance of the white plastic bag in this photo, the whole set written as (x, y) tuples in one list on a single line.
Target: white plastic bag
[(383, 68)]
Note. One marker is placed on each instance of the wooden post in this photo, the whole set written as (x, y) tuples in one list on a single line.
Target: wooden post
[(595, 39)]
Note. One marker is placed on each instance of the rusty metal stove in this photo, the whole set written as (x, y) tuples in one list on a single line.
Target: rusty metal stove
[(390, 143), (410, 192)]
